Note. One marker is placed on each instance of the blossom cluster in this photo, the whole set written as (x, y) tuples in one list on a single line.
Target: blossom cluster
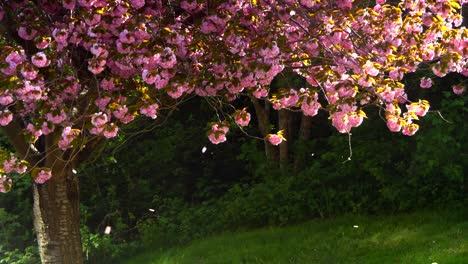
[(85, 68)]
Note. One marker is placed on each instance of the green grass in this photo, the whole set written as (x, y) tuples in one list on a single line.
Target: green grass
[(422, 237)]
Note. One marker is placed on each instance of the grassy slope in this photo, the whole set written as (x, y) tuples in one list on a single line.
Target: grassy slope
[(423, 237)]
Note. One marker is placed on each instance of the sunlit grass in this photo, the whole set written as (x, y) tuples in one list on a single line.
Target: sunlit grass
[(422, 237)]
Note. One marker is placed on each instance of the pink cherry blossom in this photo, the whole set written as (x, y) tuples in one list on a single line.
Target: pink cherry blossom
[(40, 60), (396, 74), (275, 139), (5, 184), (218, 133), (68, 136), (43, 43), (150, 110), (99, 119), (27, 33), (28, 71), (410, 129), (110, 131), (47, 128), (458, 89), (15, 58), (6, 98), (242, 117), (60, 35), (56, 118), (426, 83), (43, 176), (137, 4), (310, 105), (5, 117), (370, 69), (393, 124), (69, 4), (420, 109), (34, 132)]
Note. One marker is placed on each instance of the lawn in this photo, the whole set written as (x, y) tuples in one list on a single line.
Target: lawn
[(422, 237)]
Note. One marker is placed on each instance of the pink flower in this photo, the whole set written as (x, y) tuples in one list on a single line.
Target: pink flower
[(310, 105), (396, 74), (56, 118), (99, 119), (275, 139), (43, 176), (96, 18), (47, 128), (96, 65), (28, 71), (111, 131), (458, 89), (260, 92), (242, 117), (99, 51), (212, 24), (393, 124), (35, 132), (380, 2), (168, 59), (14, 59), (355, 119), (420, 108), (27, 33), (107, 84), (340, 122), (148, 76), (370, 69), (426, 83), (5, 184), (149, 110), (137, 4), (102, 102), (388, 95), (410, 129), (6, 98), (218, 133), (13, 164), (126, 37), (60, 35), (40, 60), (68, 135), (5, 117), (191, 6), (69, 4), (43, 43), (345, 4)]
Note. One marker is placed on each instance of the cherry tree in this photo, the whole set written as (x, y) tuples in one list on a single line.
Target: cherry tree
[(74, 72)]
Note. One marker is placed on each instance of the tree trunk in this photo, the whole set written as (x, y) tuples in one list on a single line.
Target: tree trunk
[(56, 206), (263, 118), (283, 124), (57, 209), (304, 135), (57, 217)]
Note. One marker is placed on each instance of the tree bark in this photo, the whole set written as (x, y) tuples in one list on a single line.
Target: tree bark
[(263, 118), (57, 209), (283, 124), (304, 135), (57, 215)]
